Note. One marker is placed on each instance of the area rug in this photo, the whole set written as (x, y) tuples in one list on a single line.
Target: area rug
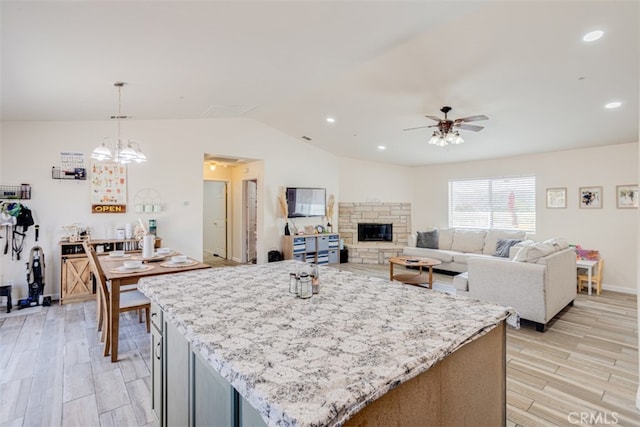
[(442, 287)]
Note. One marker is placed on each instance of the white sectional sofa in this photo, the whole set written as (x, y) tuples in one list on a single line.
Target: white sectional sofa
[(455, 246), (538, 288), (537, 279)]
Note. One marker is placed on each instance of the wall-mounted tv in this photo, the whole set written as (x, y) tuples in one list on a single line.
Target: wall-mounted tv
[(304, 202)]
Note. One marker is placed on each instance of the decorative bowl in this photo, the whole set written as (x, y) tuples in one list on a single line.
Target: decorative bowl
[(132, 265), (178, 259)]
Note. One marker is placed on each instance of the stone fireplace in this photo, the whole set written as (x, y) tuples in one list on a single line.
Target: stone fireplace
[(397, 215)]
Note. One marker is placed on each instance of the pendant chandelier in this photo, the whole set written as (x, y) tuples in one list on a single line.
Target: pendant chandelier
[(121, 151)]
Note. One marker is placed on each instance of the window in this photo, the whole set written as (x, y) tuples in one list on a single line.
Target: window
[(505, 203)]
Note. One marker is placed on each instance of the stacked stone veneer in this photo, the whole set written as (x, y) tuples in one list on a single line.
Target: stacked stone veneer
[(350, 214)]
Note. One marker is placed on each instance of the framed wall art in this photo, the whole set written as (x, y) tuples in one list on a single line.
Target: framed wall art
[(108, 187), (626, 196), (557, 198), (590, 197)]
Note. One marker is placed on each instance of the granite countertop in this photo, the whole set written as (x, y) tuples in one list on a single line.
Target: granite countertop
[(315, 362)]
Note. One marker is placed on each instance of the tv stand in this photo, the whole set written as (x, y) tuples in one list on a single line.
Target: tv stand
[(313, 248)]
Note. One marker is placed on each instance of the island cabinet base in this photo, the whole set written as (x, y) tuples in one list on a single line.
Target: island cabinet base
[(467, 388)]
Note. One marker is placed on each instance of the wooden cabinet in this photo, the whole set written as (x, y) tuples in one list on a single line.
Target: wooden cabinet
[(314, 248), (76, 281)]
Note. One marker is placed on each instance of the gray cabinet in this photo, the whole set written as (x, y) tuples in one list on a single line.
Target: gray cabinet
[(157, 358), (156, 374), (213, 395), (186, 390), (176, 402)]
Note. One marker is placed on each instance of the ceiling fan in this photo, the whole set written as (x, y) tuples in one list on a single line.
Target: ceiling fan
[(447, 132)]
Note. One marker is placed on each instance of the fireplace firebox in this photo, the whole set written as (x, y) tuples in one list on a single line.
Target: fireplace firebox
[(370, 232)]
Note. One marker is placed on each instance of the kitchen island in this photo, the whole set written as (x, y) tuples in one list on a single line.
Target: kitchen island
[(362, 350)]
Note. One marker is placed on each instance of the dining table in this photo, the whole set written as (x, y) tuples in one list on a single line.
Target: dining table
[(114, 271)]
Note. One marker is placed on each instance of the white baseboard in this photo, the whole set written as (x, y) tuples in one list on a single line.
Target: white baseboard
[(236, 259), (638, 398), (605, 287)]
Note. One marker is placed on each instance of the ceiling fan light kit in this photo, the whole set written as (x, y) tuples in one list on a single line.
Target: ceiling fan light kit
[(447, 132)]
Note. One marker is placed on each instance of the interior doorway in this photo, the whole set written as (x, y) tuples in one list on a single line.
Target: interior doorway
[(214, 219), (250, 223)]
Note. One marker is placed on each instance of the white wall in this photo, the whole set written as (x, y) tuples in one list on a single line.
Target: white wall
[(611, 231), (362, 181), (175, 150)]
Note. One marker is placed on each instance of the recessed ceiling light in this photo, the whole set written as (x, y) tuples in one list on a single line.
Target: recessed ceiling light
[(613, 104), (331, 120), (381, 147), (593, 36)]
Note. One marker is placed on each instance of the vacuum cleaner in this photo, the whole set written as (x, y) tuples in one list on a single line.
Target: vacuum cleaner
[(35, 280)]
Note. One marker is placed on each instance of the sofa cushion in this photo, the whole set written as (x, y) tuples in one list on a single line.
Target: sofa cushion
[(445, 238), (463, 258), (439, 254), (427, 239), (504, 246), (470, 241), (493, 236)]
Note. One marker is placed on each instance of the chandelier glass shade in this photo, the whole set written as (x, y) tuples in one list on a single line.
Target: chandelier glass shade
[(441, 139), (121, 151)]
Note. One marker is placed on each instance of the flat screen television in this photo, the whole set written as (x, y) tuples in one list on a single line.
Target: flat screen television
[(305, 202)]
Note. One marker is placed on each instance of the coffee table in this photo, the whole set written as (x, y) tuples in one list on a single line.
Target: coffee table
[(410, 278)]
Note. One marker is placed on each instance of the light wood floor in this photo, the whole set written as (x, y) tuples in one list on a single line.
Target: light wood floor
[(216, 261), (52, 371)]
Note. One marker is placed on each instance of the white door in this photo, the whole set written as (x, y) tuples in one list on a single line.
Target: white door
[(215, 218), (250, 196)]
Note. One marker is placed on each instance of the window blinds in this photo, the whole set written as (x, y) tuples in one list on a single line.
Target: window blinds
[(504, 203)]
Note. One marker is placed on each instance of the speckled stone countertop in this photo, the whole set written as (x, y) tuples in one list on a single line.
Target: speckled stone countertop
[(315, 362)]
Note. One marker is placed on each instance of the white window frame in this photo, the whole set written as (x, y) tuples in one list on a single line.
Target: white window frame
[(487, 203)]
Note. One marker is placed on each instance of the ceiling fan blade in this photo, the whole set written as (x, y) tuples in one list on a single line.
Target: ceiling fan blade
[(437, 119), (474, 128), (420, 127), (472, 118)]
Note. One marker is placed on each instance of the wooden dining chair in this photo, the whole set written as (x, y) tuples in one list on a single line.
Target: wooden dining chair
[(596, 277), (129, 301)]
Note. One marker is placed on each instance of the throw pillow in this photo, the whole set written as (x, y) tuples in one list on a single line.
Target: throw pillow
[(427, 239), (534, 252), (504, 245)]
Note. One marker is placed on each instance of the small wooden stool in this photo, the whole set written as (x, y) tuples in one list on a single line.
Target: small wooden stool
[(5, 291)]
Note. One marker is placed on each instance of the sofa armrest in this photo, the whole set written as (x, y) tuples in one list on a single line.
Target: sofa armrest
[(561, 279), (519, 285)]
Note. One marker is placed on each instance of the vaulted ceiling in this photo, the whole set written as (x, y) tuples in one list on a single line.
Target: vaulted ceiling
[(376, 67)]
